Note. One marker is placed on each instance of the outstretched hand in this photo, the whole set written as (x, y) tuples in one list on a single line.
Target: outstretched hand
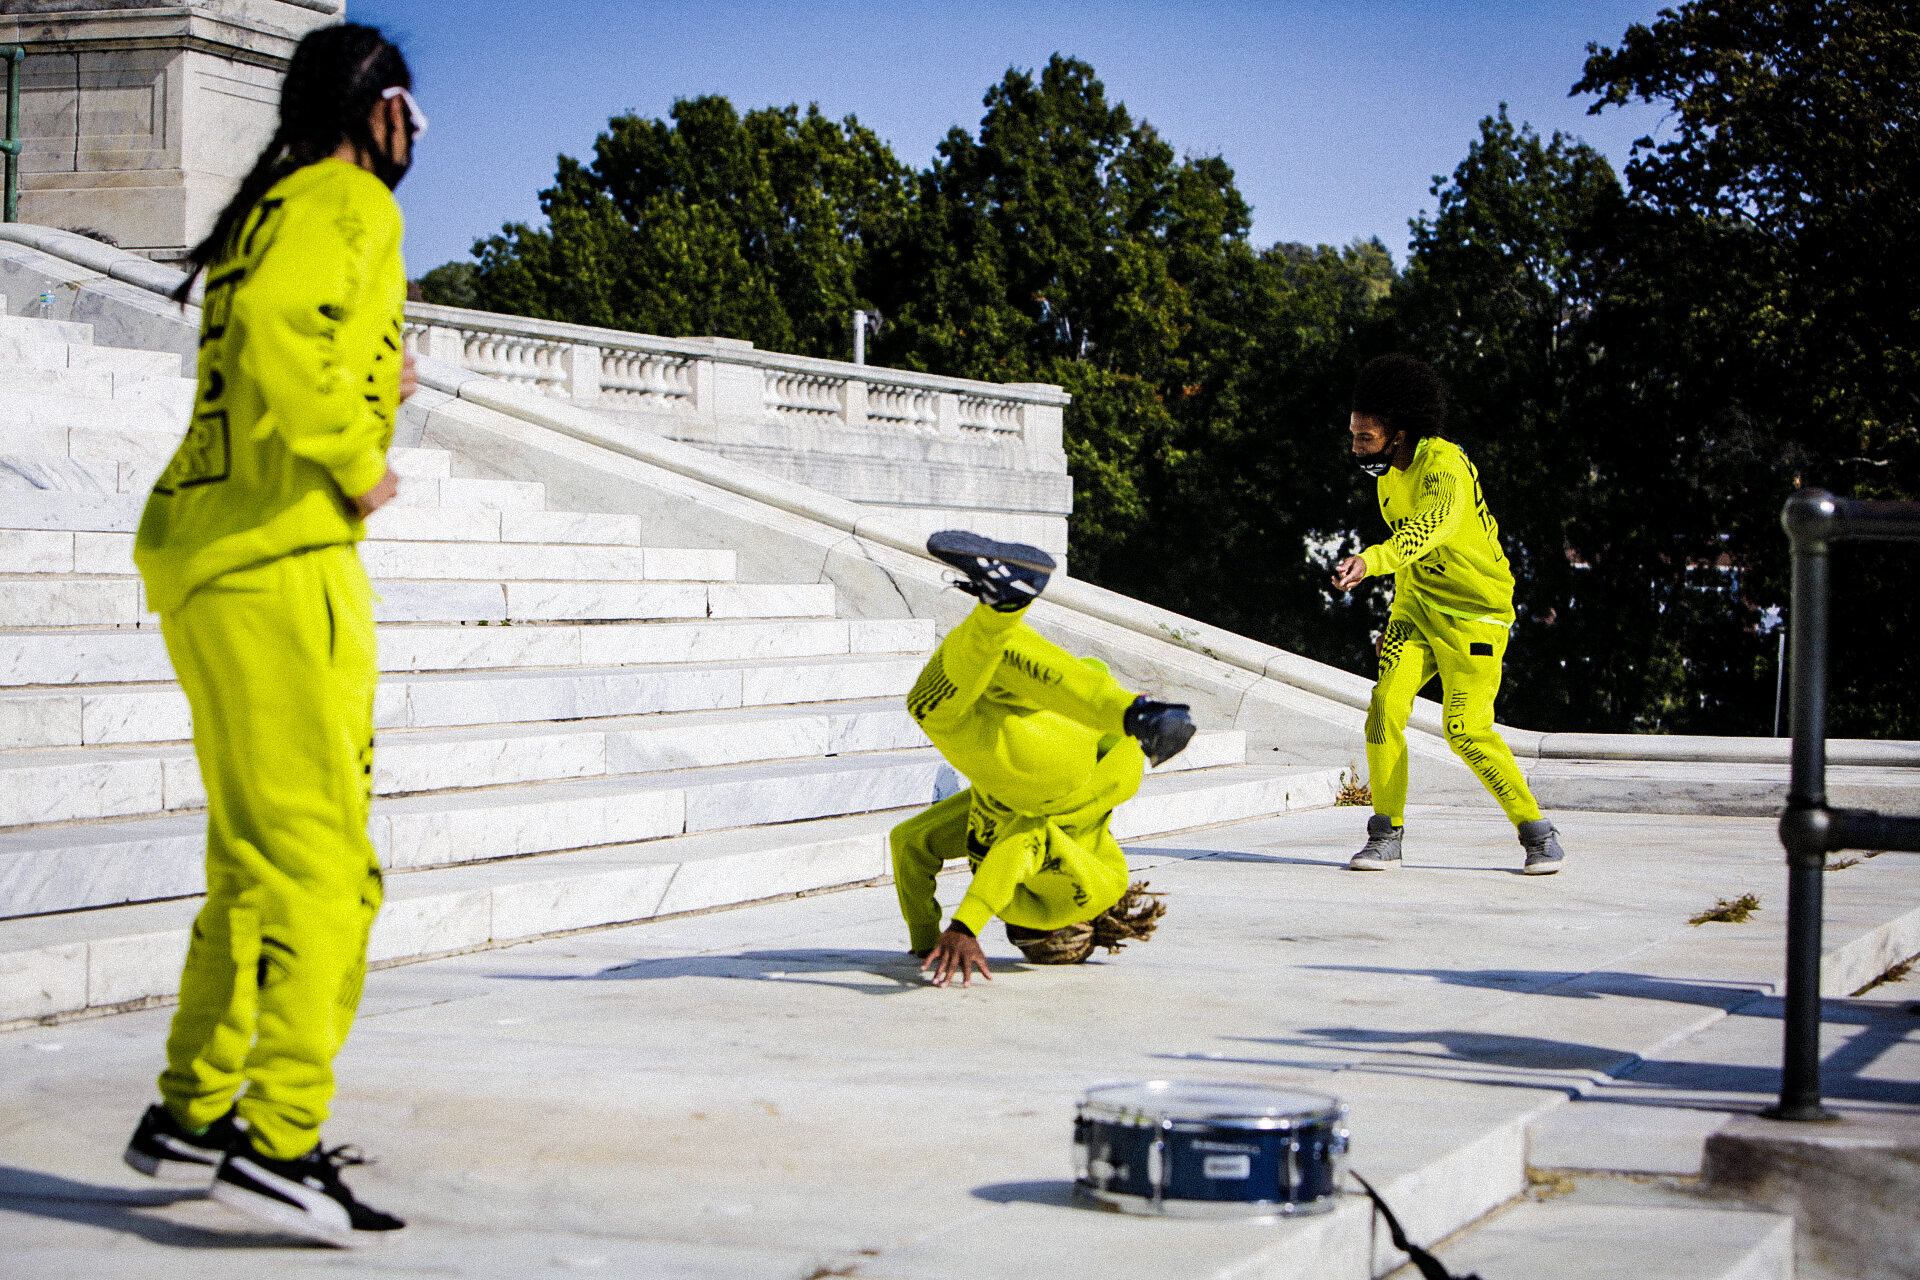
[(1351, 573), (956, 955)]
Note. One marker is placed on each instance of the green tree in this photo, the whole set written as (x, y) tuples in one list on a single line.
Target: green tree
[(750, 227), (450, 284), (1790, 184)]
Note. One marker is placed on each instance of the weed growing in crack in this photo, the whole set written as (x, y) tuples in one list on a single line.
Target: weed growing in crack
[(1729, 911)]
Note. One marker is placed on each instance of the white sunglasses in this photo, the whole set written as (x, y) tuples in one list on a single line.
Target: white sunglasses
[(415, 115)]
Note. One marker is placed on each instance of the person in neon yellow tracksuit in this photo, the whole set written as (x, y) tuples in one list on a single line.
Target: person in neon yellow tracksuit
[(247, 550), (1051, 745), (1452, 606)]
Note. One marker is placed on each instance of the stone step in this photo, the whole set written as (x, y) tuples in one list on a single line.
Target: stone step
[(93, 554), (56, 509), (483, 524), (95, 382), (70, 784), (1648, 1242), (53, 601), (64, 964), (421, 464), (37, 332), (81, 865), (495, 495), (131, 714), (118, 657), (1725, 788), (44, 422)]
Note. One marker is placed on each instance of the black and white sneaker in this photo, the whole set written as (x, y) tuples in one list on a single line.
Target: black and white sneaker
[(163, 1148), (303, 1197), (1163, 728), (1004, 576)]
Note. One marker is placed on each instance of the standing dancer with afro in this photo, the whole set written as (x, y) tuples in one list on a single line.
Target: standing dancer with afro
[(1051, 745), (1452, 606), (247, 550)]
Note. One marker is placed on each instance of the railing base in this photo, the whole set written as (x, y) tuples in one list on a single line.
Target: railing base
[(1801, 1113)]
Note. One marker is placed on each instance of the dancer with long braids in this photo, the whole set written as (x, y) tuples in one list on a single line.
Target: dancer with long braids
[(1052, 744), (247, 550)]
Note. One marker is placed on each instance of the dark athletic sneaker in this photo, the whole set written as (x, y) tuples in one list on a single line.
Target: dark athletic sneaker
[(1382, 850), (1163, 728), (303, 1197), (1004, 576), (162, 1147), (1542, 843)]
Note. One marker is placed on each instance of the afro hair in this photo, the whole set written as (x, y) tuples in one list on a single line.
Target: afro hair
[(1402, 394)]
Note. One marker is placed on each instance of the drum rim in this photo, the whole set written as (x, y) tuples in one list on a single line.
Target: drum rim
[(1331, 1108)]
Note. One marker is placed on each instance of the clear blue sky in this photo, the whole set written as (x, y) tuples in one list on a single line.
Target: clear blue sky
[(1335, 116)]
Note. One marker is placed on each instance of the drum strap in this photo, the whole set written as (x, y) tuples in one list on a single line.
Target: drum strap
[(1430, 1267)]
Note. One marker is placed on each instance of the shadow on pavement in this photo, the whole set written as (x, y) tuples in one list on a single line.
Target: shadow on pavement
[(1054, 1191), (1591, 985), (1445, 1052), (48, 1195), (896, 970)]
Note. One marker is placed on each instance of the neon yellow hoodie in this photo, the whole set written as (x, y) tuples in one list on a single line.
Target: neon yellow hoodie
[(1445, 545), (299, 379)]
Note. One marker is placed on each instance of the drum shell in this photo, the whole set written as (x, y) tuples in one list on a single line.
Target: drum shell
[(1219, 1167)]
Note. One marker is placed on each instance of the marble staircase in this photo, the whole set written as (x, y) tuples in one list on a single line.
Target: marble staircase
[(575, 728)]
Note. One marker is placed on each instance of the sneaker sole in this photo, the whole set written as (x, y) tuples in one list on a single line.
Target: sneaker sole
[(169, 1170), (952, 543), (1541, 868), (290, 1218), (1373, 864)]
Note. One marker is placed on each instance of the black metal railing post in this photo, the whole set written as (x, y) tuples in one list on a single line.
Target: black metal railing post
[(13, 55), (1810, 828)]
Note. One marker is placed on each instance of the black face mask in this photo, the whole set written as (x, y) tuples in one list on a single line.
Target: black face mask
[(1376, 464), (387, 169)]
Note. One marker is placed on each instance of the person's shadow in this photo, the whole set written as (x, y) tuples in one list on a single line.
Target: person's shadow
[(891, 972), (48, 1195)]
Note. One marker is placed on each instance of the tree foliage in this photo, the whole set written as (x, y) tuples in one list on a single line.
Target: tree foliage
[(754, 227), (1643, 365)]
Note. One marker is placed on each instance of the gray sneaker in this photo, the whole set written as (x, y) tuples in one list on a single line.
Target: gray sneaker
[(1542, 843), (1382, 851)]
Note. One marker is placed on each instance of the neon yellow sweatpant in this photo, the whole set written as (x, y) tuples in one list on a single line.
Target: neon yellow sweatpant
[(1420, 641), (277, 660), (1037, 732)]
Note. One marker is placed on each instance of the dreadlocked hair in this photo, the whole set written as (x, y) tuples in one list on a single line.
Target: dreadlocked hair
[(1402, 394), (1132, 919), (335, 79)]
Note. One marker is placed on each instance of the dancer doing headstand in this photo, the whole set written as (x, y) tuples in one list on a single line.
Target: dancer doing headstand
[(1051, 744)]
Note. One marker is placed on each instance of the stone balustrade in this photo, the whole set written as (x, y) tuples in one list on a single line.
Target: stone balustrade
[(709, 377), (931, 450)]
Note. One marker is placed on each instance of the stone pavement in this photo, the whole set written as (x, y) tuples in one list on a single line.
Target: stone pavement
[(773, 1091)]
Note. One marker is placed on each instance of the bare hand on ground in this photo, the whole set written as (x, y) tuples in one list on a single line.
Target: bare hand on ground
[(1351, 573), (409, 375), (956, 955), (378, 496)]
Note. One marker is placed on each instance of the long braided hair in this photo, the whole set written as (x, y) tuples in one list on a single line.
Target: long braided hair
[(335, 79)]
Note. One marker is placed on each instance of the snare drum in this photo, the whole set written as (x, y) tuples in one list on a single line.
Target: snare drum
[(1209, 1150)]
